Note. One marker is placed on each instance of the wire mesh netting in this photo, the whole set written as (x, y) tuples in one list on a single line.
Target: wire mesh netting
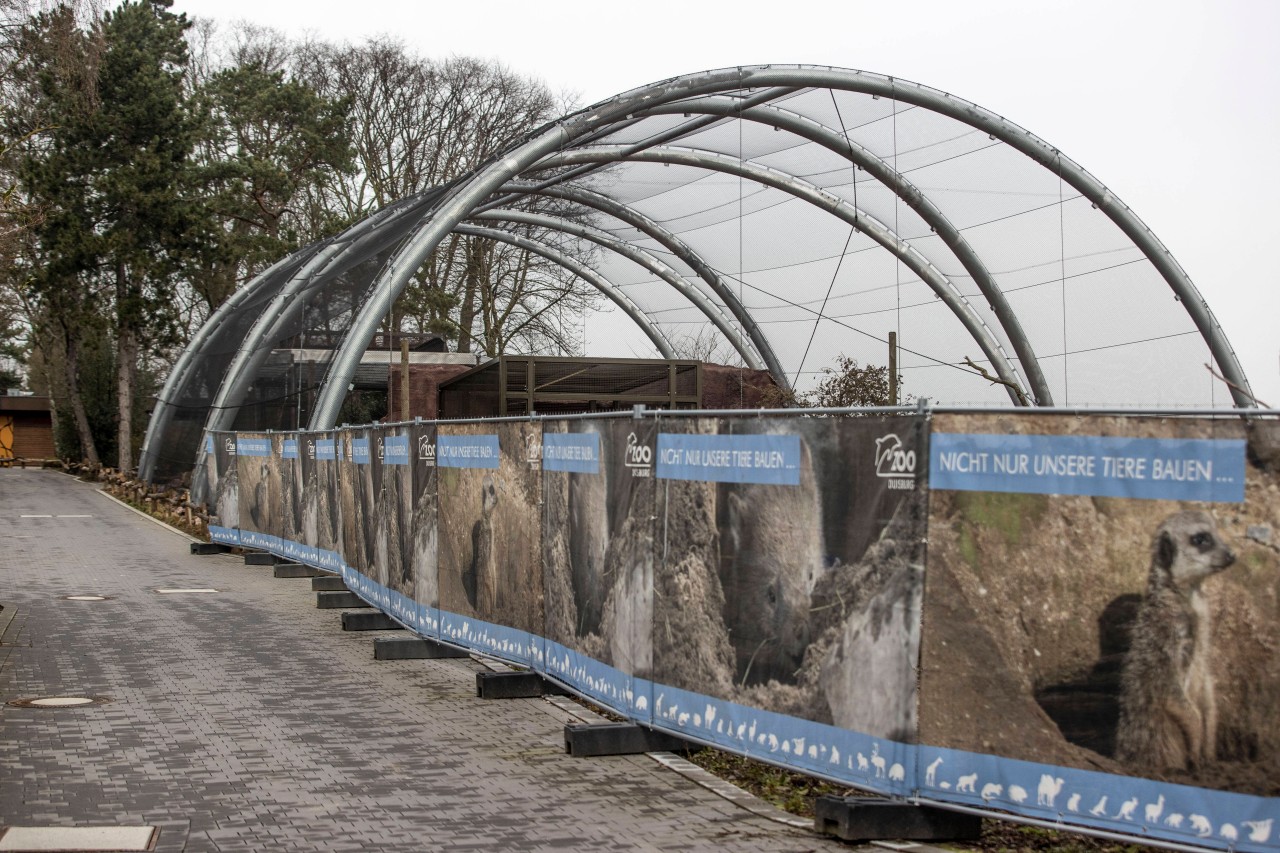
[(793, 223)]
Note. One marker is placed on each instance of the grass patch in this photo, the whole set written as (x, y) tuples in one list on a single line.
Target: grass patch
[(1009, 514), (786, 789)]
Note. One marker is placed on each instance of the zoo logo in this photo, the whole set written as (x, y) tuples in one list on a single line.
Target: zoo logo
[(381, 454), (426, 450), (311, 449), (638, 457), (535, 451), (230, 445), (892, 461)]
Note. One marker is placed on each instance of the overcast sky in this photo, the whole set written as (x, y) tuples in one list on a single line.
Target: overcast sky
[(1174, 104)]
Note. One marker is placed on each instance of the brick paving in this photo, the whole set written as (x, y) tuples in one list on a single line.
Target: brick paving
[(247, 720)]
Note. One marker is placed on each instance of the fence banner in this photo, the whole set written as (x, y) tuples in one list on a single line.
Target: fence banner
[(1092, 639), (790, 588), (355, 486), (222, 487), (286, 491), (256, 470), (598, 557), (1101, 602), (321, 527), (421, 558), (489, 537)]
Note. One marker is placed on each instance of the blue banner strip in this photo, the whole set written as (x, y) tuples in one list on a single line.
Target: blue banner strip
[(360, 451), (395, 450), (1185, 469), (467, 451), (253, 446), (768, 459), (574, 452)]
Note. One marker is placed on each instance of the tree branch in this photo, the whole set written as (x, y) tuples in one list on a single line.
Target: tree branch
[(996, 380), (1216, 375)]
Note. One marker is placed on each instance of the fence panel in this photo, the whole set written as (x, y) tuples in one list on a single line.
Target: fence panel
[(1094, 641), (1102, 644)]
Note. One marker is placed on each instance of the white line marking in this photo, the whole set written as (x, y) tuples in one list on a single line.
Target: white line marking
[(75, 516), (36, 516), (192, 589)]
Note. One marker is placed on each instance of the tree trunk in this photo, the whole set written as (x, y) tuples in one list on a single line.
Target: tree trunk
[(471, 284), (126, 366), (126, 381), (71, 364)]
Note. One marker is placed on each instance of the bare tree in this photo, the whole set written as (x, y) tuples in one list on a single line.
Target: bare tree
[(705, 343), (420, 124)]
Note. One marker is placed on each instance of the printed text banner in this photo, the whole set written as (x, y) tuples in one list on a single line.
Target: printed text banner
[(577, 453), (467, 451), (767, 459), (1103, 466)]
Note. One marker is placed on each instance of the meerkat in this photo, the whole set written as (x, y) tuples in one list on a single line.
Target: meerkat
[(484, 567), (1168, 716)]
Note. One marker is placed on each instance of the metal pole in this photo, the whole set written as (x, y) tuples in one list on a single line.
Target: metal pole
[(893, 368), (404, 380)]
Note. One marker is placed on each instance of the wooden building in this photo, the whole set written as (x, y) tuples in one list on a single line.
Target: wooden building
[(552, 385), (26, 429)]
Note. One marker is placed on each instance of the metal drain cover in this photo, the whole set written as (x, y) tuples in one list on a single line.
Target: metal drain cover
[(57, 702)]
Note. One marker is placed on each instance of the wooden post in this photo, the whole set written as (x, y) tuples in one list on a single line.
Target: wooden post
[(893, 368), (404, 380)]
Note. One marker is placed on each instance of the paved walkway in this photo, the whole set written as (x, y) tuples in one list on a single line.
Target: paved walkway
[(245, 719)]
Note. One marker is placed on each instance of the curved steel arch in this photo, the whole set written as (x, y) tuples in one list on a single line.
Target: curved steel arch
[(909, 193), (583, 272), (469, 193), (413, 252), (744, 94), (677, 247), (162, 414), (638, 256), (867, 224), (1032, 146), (417, 247), (286, 306)]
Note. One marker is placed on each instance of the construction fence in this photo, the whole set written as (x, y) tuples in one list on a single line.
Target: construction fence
[(1067, 617)]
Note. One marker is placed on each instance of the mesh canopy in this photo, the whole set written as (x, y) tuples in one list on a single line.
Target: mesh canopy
[(800, 213)]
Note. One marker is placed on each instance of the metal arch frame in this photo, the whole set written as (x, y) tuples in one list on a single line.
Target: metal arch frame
[(638, 256), (472, 191), (967, 112), (677, 247), (905, 190), (285, 306), (864, 222), (1047, 156), (582, 271), (162, 414), (659, 139), (460, 200)]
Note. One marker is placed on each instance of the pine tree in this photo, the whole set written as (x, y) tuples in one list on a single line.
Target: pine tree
[(267, 143), (112, 172), (139, 142)]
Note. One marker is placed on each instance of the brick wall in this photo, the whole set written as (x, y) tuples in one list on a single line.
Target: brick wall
[(424, 390)]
